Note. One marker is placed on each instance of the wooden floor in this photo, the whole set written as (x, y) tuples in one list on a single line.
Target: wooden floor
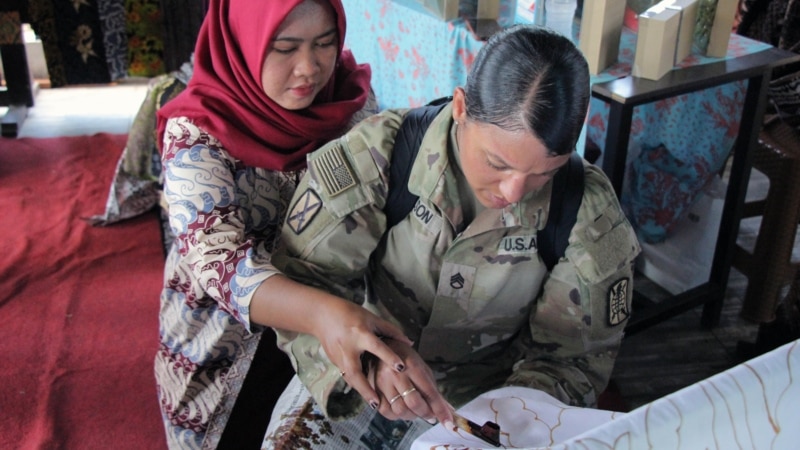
[(652, 363)]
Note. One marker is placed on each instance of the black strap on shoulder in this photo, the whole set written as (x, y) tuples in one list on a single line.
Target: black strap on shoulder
[(399, 200), (565, 200)]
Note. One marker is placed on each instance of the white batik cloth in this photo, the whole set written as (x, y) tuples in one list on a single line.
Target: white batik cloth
[(528, 418), (753, 405)]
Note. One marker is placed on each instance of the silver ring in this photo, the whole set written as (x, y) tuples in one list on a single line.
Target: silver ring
[(408, 392), (399, 396)]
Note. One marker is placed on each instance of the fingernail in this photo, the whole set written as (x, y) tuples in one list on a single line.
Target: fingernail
[(449, 425), (373, 404), (431, 421), (400, 367)]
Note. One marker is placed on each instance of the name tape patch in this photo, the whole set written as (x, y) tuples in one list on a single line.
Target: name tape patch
[(429, 219)]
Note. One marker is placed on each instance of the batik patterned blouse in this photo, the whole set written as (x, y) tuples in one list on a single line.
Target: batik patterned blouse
[(226, 218)]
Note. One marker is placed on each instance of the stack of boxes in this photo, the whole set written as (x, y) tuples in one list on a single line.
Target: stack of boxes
[(671, 30), (657, 41)]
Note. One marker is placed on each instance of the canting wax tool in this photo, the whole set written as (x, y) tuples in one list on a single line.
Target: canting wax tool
[(489, 432)]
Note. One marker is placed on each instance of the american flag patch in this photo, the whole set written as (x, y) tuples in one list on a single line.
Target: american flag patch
[(333, 172)]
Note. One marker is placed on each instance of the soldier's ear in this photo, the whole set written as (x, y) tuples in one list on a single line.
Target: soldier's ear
[(459, 105)]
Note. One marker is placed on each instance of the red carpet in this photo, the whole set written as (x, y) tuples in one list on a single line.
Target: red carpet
[(78, 304)]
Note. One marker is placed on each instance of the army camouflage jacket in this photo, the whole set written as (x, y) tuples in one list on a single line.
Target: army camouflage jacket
[(474, 295)]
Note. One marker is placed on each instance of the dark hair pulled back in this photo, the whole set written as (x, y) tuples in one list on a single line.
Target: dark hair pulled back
[(531, 78)]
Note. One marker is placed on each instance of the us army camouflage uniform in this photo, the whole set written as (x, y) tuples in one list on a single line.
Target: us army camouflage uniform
[(468, 293)]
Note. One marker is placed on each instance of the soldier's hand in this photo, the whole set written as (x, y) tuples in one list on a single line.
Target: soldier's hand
[(411, 393)]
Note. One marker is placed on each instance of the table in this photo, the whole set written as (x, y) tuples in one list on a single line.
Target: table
[(18, 93), (624, 94)]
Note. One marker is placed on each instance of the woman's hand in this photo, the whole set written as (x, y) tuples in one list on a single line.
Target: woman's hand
[(411, 393), (346, 331)]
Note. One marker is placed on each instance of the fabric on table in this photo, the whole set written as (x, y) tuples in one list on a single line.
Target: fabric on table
[(673, 159)]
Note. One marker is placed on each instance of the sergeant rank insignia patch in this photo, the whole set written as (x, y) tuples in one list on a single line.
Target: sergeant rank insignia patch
[(618, 302), (307, 206)]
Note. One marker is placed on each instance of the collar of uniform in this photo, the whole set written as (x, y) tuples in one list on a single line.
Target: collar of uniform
[(429, 174), (532, 210)]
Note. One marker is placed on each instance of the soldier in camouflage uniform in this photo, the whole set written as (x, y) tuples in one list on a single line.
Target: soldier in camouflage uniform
[(461, 274)]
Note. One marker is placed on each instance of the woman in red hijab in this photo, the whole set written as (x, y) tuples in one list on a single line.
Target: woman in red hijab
[(271, 82)]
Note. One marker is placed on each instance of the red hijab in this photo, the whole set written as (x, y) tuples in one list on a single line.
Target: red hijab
[(225, 97)]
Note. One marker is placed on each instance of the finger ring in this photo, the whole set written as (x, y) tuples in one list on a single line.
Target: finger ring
[(408, 392), (395, 398)]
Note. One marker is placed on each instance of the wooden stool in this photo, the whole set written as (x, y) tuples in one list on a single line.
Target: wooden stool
[(769, 268)]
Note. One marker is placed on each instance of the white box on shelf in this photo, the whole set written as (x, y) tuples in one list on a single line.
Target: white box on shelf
[(723, 27), (688, 10), (656, 42), (601, 28)]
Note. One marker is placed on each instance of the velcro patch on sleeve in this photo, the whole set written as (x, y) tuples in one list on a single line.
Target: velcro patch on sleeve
[(618, 309), (333, 171), (303, 212)]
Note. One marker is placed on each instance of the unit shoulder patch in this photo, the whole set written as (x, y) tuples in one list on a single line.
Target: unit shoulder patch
[(303, 212), (618, 310)]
